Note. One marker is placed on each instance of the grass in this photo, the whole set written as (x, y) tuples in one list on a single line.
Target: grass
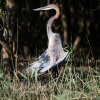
[(69, 84)]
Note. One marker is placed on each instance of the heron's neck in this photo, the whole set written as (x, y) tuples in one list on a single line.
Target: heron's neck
[(49, 25), (51, 20)]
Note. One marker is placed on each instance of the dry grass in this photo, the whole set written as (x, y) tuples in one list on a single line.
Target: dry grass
[(68, 84)]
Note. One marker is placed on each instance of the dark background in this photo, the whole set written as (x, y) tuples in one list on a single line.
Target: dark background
[(32, 25)]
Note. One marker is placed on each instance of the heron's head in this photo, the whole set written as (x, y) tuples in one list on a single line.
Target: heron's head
[(49, 7)]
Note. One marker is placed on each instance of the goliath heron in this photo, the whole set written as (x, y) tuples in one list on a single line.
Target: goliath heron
[(54, 54)]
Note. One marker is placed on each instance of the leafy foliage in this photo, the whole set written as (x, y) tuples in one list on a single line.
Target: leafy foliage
[(2, 4), (3, 7)]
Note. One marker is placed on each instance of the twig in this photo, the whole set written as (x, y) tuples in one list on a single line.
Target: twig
[(1, 27), (95, 8)]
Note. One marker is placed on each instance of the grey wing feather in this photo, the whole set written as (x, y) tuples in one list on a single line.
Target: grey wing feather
[(41, 62)]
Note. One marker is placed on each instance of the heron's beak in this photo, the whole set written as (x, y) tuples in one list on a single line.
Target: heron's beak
[(43, 8)]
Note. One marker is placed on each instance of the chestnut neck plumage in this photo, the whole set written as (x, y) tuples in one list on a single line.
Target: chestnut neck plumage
[(51, 20)]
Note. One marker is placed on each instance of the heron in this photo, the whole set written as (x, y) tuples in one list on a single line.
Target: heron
[(54, 54)]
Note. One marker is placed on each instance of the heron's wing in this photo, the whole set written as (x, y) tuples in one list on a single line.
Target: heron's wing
[(50, 58), (63, 56), (57, 54), (42, 61)]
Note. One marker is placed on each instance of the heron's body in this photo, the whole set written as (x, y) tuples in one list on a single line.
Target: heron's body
[(54, 53)]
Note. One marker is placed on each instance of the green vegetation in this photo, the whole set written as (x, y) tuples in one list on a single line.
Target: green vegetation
[(3, 5), (68, 85)]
